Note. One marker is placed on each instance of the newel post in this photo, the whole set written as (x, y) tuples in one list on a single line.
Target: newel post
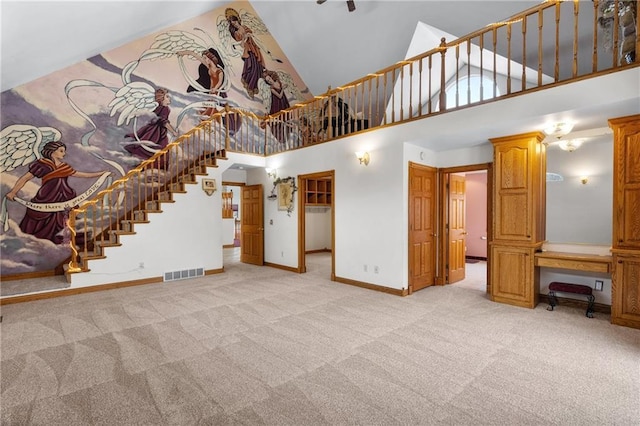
[(443, 81)]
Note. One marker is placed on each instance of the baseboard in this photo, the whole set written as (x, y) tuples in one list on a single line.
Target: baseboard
[(283, 267), (394, 291), (89, 289), (29, 275), (575, 303)]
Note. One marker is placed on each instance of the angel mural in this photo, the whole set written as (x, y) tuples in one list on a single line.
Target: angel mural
[(153, 136), (46, 213), (238, 33), (272, 87), (211, 75), (276, 100)]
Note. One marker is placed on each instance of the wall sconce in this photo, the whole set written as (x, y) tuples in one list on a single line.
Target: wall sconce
[(584, 180), (363, 157), (570, 145), (558, 130), (272, 173)]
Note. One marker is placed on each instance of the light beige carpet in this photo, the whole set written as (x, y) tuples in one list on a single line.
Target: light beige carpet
[(261, 346)]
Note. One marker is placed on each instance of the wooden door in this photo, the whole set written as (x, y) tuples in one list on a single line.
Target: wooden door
[(422, 226), (457, 247), (251, 226)]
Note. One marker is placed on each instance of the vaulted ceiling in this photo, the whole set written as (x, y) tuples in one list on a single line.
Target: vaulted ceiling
[(327, 44)]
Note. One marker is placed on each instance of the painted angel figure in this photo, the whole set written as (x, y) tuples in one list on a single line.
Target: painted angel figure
[(211, 75), (238, 35), (43, 151), (133, 99), (272, 87), (212, 82)]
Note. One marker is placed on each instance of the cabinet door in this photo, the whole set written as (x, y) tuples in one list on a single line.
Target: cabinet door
[(516, 189), (625, 291), (626, 192), (514, 279), (513, 200)]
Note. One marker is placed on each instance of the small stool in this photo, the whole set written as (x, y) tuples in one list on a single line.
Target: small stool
[(584, 290)]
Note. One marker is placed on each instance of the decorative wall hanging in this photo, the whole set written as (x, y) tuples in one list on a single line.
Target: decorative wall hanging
[(283, 190), (209, 186)]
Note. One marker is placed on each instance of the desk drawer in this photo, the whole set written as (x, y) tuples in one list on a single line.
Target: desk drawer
[(579, 265)]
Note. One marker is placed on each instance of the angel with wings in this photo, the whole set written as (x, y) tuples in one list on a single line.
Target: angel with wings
[(211, 75), (272, 87), (153, 136), (45, 217), (275, 101), (213, 80), (243, 35)]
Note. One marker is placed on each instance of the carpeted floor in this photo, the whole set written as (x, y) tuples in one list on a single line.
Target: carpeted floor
[(262, 346)]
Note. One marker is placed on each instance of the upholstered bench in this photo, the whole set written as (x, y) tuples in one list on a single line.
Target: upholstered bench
[(580, 289)]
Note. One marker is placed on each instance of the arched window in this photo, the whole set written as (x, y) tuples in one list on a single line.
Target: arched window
[(470, 87)]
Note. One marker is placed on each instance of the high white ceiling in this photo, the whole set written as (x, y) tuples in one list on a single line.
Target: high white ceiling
[(327, 44)]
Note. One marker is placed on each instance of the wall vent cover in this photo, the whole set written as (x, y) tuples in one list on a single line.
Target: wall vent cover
[(183, 274)]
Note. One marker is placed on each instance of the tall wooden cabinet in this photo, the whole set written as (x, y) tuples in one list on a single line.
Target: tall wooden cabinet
[(519, 193), (625, 280)]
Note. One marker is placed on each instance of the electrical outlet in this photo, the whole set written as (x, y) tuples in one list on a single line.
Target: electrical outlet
[(376, 269), (141, 265), (599, 285), (365, 268)]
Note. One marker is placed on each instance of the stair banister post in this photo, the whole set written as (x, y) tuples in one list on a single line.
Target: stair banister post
[(443, 81)]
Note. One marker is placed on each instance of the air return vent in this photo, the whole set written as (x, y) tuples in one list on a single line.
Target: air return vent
[(183, 274)]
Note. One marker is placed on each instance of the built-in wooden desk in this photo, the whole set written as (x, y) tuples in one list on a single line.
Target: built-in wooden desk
[(575, 261)]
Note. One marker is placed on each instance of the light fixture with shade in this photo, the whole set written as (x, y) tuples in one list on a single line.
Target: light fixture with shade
[(558, 130), (272, 173), (363, 157), (570, 145)]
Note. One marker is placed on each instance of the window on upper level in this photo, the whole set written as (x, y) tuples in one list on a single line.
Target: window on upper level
[(468, 90)]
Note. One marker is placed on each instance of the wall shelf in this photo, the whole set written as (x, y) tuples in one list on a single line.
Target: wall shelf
[(318, 192)]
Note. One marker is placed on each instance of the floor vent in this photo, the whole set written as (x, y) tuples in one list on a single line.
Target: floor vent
[(183, 274)]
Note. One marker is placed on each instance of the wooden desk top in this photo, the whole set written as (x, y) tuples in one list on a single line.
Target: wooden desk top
[(575, 261)]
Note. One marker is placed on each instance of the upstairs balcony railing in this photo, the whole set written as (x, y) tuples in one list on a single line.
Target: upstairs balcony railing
[(552, 43)]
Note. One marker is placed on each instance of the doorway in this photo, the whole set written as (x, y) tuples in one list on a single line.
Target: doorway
[(316, 218), (465, 224)]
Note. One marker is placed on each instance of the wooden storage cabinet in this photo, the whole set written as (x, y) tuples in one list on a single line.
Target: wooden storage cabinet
[(625, 291), (519, 211), (625, 280), (319, 192), (626, 182), (514, 278)]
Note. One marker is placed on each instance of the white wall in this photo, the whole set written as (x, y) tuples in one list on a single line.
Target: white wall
[(187, 234), (317, 228)]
